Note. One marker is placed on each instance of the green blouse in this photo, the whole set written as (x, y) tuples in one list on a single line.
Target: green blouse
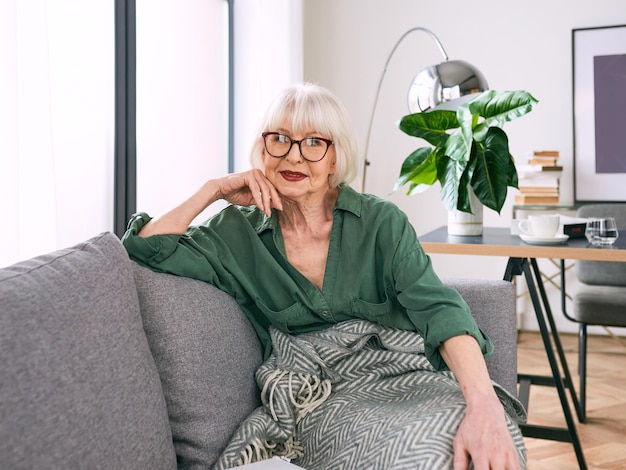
[(376, 270)]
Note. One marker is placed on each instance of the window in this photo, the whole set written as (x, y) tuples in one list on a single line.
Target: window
[(57, 107)]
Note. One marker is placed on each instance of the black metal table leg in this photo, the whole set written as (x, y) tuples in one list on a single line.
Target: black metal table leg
[(557, 341), (518, 266)]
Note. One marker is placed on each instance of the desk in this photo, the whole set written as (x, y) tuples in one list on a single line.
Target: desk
[(523, 260)]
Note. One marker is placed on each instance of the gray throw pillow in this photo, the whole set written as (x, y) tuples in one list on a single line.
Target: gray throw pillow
[(78, 387), (206, 352)]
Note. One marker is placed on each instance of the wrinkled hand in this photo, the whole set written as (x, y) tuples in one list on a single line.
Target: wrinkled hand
[(483, 438), (250, 188)]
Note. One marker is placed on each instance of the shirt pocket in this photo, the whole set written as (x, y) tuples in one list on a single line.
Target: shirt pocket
[(288, 319), (379, 312), (386, 313)]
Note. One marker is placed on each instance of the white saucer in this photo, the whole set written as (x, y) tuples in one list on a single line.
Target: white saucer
[(533, 240)]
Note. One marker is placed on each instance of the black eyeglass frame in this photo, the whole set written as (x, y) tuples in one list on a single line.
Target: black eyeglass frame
[(293, 141)]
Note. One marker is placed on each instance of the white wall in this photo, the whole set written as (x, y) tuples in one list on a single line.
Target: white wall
[(516, 45)]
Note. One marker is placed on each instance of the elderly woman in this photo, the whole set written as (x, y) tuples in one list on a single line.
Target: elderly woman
[(303, 253)]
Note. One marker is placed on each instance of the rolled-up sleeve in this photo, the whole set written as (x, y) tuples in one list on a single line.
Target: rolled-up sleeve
[(191, 255), (437, 311)]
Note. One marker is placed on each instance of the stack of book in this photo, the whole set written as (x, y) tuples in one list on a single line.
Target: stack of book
[(539, 178)]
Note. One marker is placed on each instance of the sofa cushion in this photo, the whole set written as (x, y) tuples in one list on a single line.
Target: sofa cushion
[(206, 352), (79, 387), (493, 304)]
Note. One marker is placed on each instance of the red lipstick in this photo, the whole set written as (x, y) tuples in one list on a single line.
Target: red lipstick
[(292, 175)]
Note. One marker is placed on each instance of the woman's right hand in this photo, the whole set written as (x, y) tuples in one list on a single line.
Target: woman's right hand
[(244, 189), (249, 188)]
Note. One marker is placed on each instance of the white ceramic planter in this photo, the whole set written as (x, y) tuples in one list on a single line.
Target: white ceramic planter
[(465, 224)]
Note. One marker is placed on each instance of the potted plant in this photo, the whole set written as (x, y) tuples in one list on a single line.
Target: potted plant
[(469, 153)]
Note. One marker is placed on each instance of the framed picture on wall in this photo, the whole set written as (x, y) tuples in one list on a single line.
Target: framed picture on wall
[(599, 98)]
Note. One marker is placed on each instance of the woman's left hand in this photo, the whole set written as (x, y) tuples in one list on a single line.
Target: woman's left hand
[(483, 436), (484, 439)]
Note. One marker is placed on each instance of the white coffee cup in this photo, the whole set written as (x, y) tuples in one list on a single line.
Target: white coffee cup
[(544, 226)]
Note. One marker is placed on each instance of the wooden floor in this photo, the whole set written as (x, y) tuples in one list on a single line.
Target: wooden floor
[(603, 435)]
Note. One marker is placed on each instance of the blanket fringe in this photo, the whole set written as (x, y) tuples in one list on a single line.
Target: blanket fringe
[(263, 450), (306, 392), (253, 452), (312, 393)]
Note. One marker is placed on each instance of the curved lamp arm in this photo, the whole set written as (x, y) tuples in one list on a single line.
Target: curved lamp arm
[(380, 82)]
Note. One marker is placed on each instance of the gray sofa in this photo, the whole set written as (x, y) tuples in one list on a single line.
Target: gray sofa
[(106, 364)]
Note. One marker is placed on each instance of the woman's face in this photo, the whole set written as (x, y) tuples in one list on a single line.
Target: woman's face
[(293, 176)]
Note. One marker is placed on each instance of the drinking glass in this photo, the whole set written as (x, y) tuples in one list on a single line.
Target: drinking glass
[(601, 231)]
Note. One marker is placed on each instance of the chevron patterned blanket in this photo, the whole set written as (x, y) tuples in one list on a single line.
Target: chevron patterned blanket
[(356, 396)]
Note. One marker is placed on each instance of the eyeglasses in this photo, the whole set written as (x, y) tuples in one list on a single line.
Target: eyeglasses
[(312, 149)]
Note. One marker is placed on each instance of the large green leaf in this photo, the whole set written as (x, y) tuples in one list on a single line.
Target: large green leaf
[(496, 108), (463, 202), (450, 173), (467, 121), (513, 179), (458, 148), (419, 169), (492, 172), (430, 126)]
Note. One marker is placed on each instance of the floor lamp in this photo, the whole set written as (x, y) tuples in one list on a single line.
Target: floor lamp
[(442, 86)]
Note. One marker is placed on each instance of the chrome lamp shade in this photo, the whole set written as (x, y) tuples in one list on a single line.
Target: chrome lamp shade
[(445, 86)]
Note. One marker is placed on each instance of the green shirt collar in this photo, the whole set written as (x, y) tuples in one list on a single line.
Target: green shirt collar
[(348, 200)]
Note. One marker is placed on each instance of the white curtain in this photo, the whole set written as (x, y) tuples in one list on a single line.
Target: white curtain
[(56, 124)]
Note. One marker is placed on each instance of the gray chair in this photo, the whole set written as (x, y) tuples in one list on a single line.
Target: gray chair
[(601, 299)]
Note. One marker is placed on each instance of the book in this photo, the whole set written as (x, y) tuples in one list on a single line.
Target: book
[(543, 157), (524, 170), (546, 153), (536, 199), (541, 180), (549, 167), (543, 161), (538, 179), (542, 190)]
